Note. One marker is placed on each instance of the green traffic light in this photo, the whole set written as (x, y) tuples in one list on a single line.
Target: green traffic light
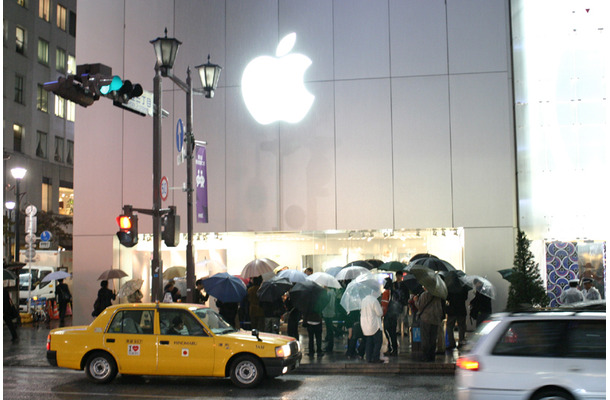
[(116, 84)]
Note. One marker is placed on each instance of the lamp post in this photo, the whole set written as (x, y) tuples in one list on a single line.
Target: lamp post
[(18, 173), (10, 206), (166, 50)]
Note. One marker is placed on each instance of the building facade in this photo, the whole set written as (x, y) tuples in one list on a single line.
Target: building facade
[(39, 46), (412, 130)]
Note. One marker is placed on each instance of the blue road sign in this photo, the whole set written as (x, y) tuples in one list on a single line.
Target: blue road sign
[(179, 135)]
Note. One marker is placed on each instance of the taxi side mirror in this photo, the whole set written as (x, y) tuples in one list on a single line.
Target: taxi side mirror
[(255, 333)]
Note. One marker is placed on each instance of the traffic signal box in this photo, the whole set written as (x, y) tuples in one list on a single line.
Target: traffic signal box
[(170, 223), (90, 83), (128, 227)]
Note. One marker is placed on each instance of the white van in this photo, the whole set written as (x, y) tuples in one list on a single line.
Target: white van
[(40, 290)]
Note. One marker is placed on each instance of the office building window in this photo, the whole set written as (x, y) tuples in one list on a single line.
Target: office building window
[(20, 40), (42, 99), (60, 60), (43, 51), (41, 147), (19, 89), (62, 14), (71, 64), (66, 198), (44, 9), (70, 153), (72, 24), (17, 137), (47, 190), (70, 110), (60, 107), (59, 149)]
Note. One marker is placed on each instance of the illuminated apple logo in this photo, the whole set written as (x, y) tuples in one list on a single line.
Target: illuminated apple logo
[(273, 87)]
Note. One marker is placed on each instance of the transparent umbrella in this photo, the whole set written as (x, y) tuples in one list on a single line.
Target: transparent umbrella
[(293, 275), (480, 284), (258, 267), (348, 273), (362, 286), (324, 279), (431, 280)]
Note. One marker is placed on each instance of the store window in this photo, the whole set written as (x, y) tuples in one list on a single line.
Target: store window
[(41, 146), (70, 153), (60, 107), (18, 133), (62, 14), (42, 99), (71, 64), (70, 110), (59, 149), (47, 190), (44, 9), (43, 51), (60, 60), (19, 89), (66, 198), (20, 40)]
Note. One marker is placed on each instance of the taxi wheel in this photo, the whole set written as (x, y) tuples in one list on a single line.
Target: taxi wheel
[(246, 372), (101, 368)]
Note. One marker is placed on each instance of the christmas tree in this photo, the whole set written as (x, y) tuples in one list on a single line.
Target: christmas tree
[(526, 286)]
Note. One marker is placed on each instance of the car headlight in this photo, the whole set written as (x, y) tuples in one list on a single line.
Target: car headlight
[(282, 351)]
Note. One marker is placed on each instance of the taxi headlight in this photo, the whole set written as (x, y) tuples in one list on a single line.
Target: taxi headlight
[(282, 351)]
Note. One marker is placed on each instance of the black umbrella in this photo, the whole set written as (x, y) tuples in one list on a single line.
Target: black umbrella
[(412, 284), (507, 274), (308, 296), (360, 263), (273, 289), (374, 262), (453, 282), (432, 262)]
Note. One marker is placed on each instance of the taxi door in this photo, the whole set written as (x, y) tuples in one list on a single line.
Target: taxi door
[(130, 338), (185, 348)]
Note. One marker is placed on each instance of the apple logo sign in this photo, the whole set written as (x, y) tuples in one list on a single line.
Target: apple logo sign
[(273, 87)]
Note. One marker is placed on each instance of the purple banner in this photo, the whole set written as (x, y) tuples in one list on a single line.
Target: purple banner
[(201, 178)]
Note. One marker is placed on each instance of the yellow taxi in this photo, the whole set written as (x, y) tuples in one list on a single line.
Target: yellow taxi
[(170, 339)]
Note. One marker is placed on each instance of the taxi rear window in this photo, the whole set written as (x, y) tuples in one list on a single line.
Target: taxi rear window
[(132, 322)]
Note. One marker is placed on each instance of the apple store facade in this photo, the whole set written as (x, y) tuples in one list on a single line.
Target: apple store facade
[(345, 130)]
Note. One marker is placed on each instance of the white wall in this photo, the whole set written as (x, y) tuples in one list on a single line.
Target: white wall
[(408, 129)]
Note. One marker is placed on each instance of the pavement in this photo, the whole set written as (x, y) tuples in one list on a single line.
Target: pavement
[(30, 351)]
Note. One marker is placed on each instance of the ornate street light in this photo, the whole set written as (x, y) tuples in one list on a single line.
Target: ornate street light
[(166, 50), (18, 173)]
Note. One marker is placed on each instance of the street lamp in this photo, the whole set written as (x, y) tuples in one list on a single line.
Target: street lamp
[(18, 173), (166, 50)]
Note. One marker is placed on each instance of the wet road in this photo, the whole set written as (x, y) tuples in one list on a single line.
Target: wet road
[(53, 383)]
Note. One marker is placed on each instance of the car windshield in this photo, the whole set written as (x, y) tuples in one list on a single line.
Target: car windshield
[(214, 321), (482, 330)]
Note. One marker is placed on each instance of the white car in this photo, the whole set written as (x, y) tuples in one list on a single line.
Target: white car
[(554, 354)]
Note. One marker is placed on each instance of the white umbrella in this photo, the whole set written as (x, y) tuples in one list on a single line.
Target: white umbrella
[(293, 275), (348, 273), (130, 287), (324, 279), (258, 267), (364, 285), (54, 276)]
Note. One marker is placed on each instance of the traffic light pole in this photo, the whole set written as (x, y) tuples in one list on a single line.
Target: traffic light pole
[(157, 264)]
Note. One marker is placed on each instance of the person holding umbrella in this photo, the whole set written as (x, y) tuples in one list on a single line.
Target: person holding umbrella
[(480, 306), (430, 314), (104, 299), (63, 298), (370, 322)]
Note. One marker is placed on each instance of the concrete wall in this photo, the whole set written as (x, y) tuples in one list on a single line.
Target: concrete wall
[(411, 126)]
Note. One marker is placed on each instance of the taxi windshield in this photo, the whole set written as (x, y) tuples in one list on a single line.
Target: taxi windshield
[(214, 321)]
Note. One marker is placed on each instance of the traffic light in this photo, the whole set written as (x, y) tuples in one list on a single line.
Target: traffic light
[(170, 223), (121, 91), (128, 227), (71, 89)]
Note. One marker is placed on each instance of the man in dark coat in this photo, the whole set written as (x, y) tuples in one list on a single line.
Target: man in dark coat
[(63, 298), (456, 314)]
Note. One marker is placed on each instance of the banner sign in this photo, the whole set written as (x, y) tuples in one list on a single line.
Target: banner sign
[(201, 176)]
